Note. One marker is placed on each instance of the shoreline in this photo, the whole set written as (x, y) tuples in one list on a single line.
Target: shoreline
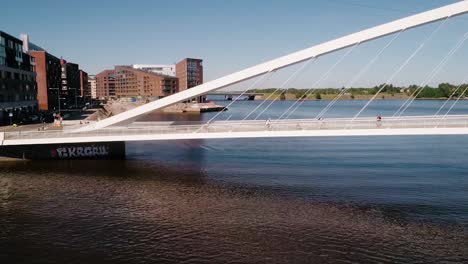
[(356, 98), (364, 99)]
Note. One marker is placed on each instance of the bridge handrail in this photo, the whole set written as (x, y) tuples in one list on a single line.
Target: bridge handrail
[(258, 125)]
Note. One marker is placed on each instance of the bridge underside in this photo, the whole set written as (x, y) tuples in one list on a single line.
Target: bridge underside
[(65, 151)]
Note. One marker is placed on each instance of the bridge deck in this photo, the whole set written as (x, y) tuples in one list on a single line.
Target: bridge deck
[(417, 125)]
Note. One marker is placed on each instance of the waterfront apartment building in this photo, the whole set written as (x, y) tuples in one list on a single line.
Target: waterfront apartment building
[(190, 74), (105, 84), (163, 69), (130, 82), (92, 86), (48, 76), (18, 89), (70, 88)]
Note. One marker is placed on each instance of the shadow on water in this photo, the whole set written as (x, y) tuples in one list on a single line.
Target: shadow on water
[(133, 213)]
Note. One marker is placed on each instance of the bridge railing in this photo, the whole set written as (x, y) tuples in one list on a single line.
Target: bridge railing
[(256, 126)]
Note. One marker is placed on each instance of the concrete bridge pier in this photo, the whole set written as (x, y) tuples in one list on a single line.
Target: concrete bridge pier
[(75, 151)]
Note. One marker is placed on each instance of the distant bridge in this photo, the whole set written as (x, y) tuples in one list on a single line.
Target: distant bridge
[(228, 95)]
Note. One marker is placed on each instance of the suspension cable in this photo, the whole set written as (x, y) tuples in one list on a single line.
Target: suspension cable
[(254, 84), (301, 69), (407, 61), (448, 99), (359, 75), (431, 76), (280, 87), (454, 103), (311, 90), (258, 81), (451, 107)]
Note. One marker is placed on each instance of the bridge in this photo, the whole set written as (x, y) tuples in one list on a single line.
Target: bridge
[(396, 27), (153, 131), (121, 127)]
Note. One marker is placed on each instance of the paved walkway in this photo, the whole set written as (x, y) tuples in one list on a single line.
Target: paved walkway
[(261, 127)]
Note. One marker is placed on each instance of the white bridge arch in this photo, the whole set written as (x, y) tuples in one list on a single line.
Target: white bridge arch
[(285, 61)]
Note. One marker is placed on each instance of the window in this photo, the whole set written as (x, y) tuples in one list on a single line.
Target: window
[(2, 41)]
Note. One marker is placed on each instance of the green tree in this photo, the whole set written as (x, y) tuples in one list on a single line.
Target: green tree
[(300, 95), (318, 96), (283, 96)]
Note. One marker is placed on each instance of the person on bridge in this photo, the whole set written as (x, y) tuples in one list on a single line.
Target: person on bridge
[(268, 123), (379, 120)]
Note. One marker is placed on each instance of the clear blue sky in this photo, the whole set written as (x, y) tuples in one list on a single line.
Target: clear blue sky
[(230, 35)]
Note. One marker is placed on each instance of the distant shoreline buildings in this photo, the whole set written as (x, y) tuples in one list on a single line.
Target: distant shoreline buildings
[(149, 82), (61, 84), (32, 80)]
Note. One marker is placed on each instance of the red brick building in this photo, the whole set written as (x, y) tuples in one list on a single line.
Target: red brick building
[(190, 74), (105, 84), (130, 82), (48, 78)]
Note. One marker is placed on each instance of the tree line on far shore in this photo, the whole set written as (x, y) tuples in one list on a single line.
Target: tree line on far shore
[(443, 90)]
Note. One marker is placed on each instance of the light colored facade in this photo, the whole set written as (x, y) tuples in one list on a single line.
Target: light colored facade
[(29, 46), (92, 86), (169, 70)]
